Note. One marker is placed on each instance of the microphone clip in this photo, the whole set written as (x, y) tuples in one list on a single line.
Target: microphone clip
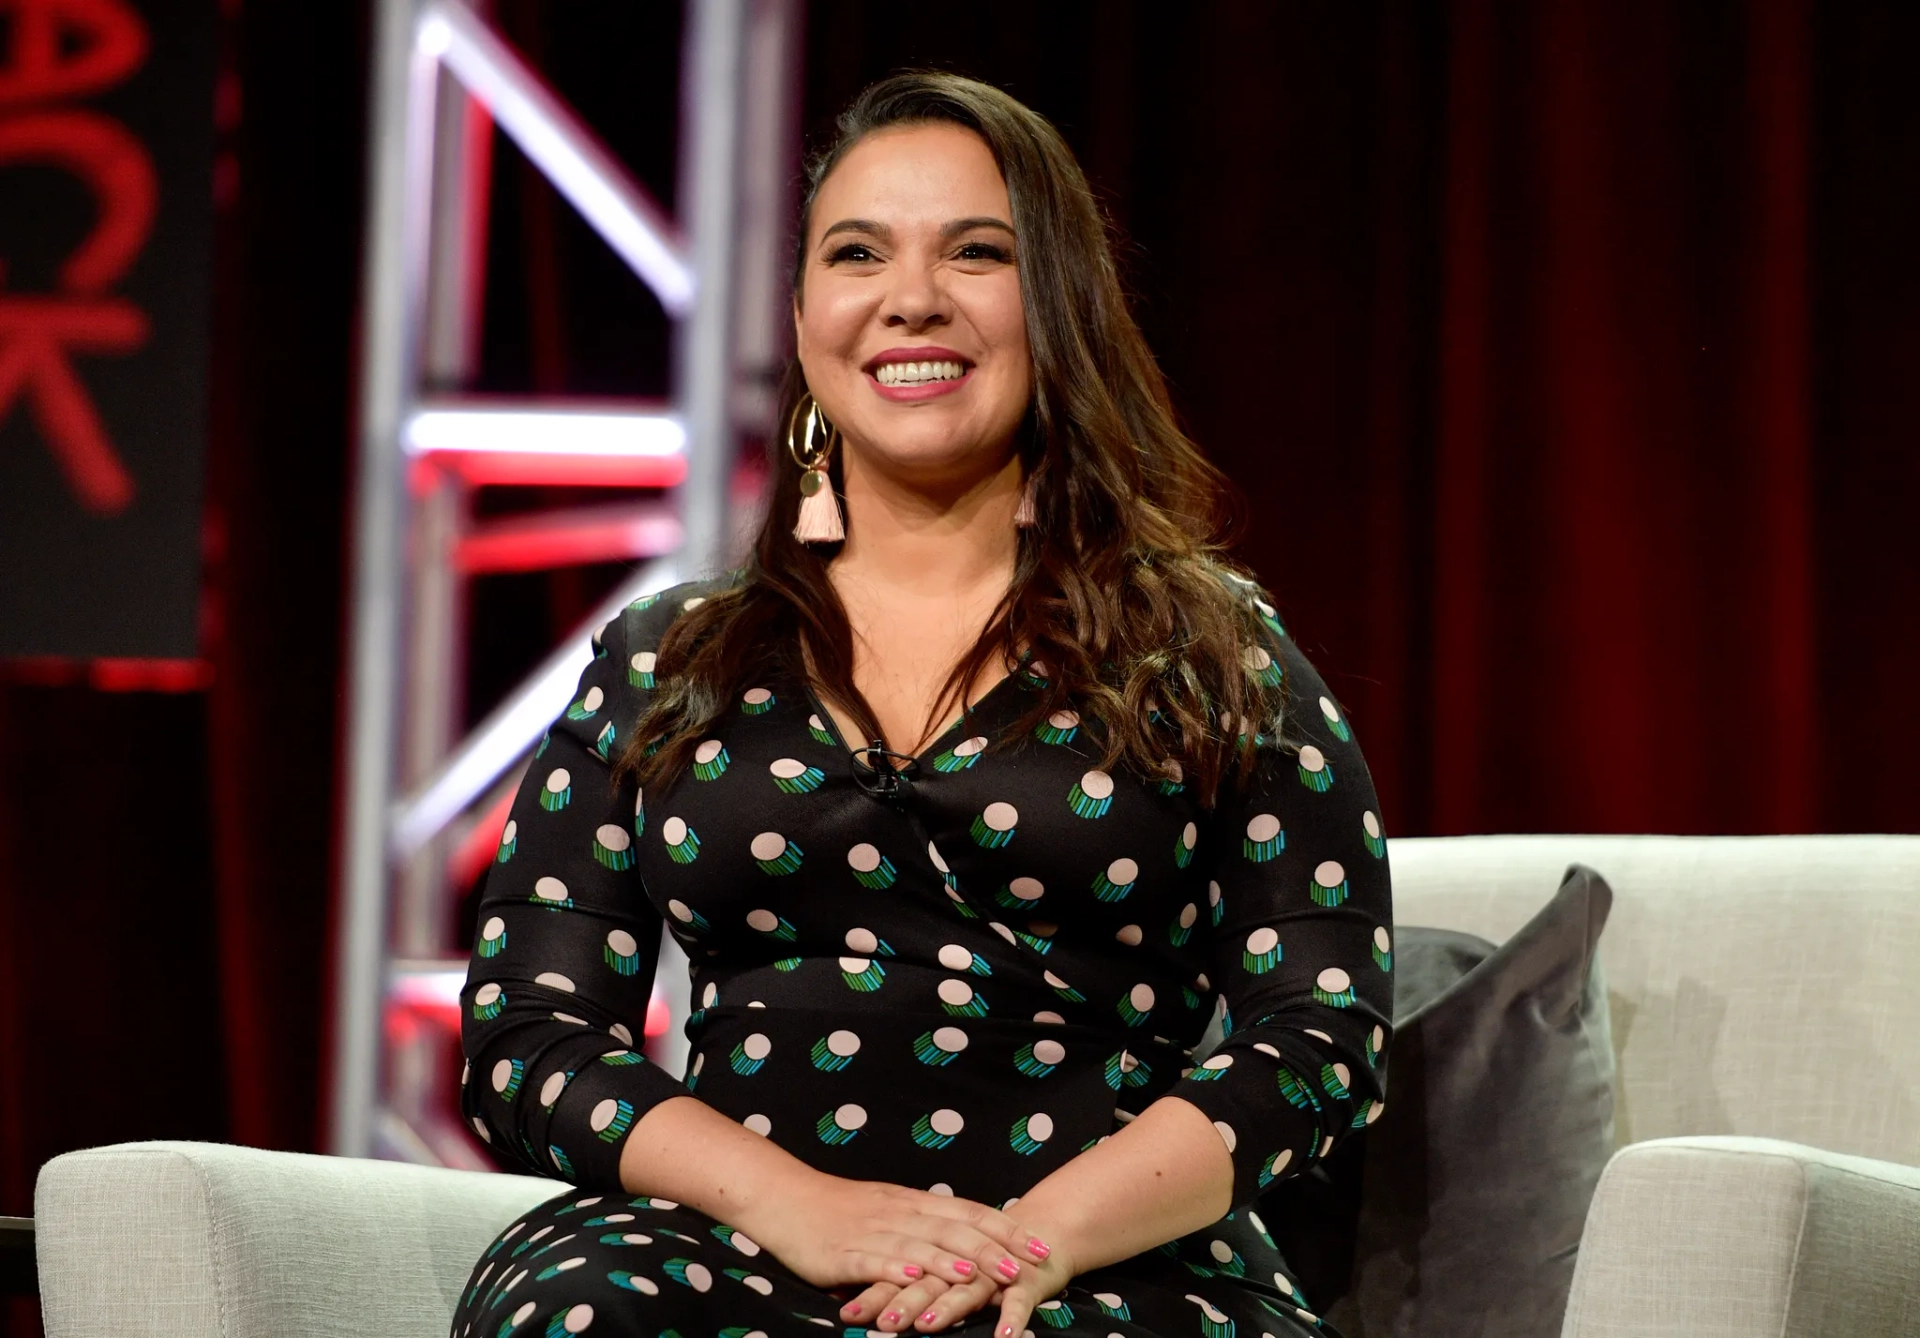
[(887, 772)]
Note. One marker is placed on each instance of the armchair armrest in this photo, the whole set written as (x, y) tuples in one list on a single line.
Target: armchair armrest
[(183, 1240), (1747, 1238)]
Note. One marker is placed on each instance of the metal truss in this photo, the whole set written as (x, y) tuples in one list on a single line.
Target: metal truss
[(424, 808)]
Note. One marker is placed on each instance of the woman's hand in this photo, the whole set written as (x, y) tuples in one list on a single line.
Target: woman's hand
[(1019, 1280), (880, 1236)]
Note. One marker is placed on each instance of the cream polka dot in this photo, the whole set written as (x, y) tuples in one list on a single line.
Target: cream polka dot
[(756, 696), (558, 779), (550, 889), (486, 994), (951, 1039), (864, 858), (762, 919), (1040, 1126), (1381, 939), (1189, 836), (1221, 1251), (688, 606), (1141, 997), (644, 662), (1317, 1034), (1122, 871), (520, 1315), (1312, 759), (768, 845), (1280, 1162), (745, 1244), (1329, 873), (1055, 981), (1262, 940), (946, 1122), (761, 1285), (969, 747), (1218, 1062), (843, 1043), (603, 1114), (1375, 1110), (934, 855), (554, 980), (863, 941), (1000, 817), (941, 1187), (853, 966), (786, 768), (760, 1124), (1131, 935), (622, 943), (1213, 894), (509, 833), (1003, 931), (1256, 659), (502, 1075), (850, 1116), (699, 1278), (1371, 823), (1264, 827), (954, 957), (680, 910), (674, 830), (1333, 980), (757, 1046), (1097, 785), (1188, 914), (709, 994), (1049, 1052), (1065, 720), (956, 992), (1049, 1017), (618, 1031)]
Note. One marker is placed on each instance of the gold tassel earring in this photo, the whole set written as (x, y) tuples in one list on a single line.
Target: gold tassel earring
[(819, 520)]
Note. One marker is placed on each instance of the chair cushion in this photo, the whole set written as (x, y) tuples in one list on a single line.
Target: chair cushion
[(1460, 1211)]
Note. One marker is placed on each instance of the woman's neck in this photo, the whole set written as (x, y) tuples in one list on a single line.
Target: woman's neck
[(916, 540)]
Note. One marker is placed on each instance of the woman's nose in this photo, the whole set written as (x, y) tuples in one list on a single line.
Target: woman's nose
[(917, 299)]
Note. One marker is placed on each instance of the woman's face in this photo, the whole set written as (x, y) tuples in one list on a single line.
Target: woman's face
[(908, 322)]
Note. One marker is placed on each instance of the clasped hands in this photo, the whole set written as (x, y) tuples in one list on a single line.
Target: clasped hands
[(919, 1261)]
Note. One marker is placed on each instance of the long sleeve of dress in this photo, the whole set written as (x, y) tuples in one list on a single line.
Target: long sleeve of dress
[(1301, 941), (562, 966)]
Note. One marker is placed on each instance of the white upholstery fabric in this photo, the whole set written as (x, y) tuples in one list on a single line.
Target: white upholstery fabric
[(1759, 985), (201, 1240), (1748, 1238)]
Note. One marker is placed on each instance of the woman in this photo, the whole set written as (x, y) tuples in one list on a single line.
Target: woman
[(948, 980)]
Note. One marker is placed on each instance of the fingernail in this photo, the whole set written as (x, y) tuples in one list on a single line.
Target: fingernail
[(891, 1317), (1009, 1269), (911, 1270), (964, 1267), (928, 1318), (1006, 1331), (853, 1307), (1038, 1248)]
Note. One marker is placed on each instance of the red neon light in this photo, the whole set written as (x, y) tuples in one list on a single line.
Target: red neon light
[(60, 48), (486, 468), (658, 1018), (36, 336), (67, 48), (112, 675), (112, 164), (534, 549)]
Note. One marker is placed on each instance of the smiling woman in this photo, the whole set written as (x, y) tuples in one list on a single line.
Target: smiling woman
[(950, 983)]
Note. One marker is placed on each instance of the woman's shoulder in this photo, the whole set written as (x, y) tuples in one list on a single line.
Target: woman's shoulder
[(643, 623)]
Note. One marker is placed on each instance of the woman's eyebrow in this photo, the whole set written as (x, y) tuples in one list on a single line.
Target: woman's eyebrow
[(960, 225), (868, 226)]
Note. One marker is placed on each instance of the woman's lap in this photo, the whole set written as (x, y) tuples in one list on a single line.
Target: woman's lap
[(615, 1265)]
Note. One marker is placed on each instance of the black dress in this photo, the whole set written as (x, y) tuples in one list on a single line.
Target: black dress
[(957, 987)]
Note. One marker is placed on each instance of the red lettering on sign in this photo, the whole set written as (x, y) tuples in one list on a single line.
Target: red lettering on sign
[(36, 336), (62, 48), (68, 48), (115, 167)]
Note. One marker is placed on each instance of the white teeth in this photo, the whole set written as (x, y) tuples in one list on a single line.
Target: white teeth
[(918, 373)]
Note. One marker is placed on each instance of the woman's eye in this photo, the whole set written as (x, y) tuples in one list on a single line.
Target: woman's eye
[(983, 251), (855, 251)]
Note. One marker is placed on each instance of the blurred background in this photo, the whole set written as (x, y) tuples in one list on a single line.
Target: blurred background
[(1564, 356)]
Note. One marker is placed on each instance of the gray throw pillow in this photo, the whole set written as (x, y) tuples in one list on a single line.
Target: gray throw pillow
[(1460, 1212)]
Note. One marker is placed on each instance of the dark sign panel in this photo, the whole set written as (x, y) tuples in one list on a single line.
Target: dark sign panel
[(106, 217)]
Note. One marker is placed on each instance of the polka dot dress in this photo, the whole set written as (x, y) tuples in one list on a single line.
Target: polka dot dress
[(958, 988)]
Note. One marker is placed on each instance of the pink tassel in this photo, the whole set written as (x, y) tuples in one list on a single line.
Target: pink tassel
[(1024, 517), (819, 520)]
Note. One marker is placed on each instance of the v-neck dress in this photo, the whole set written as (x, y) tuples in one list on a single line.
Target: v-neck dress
[(958, 985)]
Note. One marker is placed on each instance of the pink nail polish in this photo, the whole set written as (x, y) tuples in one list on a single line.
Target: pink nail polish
[(911, 1270), (891, 1317), (964, 1267), (1038, 1248), (853, 1307), (928, 1318), (1009, 1269)]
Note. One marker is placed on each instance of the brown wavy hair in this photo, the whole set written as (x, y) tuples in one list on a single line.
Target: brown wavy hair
[(1122, 589)]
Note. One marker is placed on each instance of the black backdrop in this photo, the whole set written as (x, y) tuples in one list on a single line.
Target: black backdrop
[(1564, 355)]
